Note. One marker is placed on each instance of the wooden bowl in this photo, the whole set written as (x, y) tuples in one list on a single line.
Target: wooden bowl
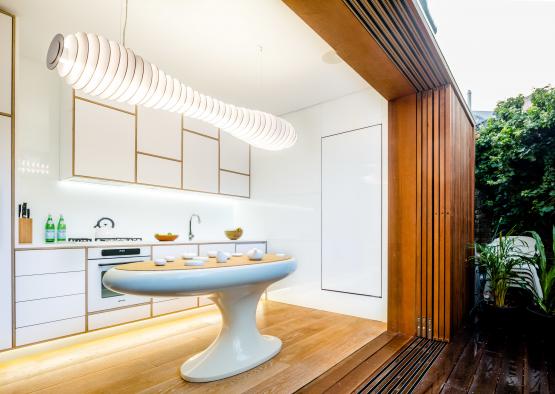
[(166, 237), (233, 234)]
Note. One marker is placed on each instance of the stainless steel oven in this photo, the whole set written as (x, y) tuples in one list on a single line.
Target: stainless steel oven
[(100, 260)]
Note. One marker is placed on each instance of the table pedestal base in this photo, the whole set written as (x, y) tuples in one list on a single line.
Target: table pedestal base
[(239, 345)]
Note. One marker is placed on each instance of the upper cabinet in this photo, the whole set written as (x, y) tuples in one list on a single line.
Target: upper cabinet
[(5, 64), (200, 163), (112, 141), (104, 141), (159, 133), (234, 154)]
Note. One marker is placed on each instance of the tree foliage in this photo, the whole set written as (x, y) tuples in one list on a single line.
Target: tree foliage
[(515, 163)]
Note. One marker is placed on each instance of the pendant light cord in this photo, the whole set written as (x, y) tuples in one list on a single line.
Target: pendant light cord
[(124, 29)]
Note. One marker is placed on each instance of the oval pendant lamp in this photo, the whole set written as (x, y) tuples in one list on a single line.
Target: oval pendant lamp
[(104, 68)]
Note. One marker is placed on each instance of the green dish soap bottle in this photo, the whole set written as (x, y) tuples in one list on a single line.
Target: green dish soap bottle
[(49, 230), (61, 235)]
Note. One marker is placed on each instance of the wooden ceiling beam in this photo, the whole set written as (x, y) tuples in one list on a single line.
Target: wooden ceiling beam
[(339, 27)]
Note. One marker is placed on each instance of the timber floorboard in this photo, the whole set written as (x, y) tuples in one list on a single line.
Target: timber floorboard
[(147, 359)]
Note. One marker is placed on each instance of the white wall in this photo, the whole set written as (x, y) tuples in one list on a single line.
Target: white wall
[(137, 211), (285, 208)]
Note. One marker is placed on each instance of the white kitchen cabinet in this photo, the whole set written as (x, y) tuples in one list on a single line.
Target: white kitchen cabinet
[(33, 287), (162, 307), (245, 247), (5, 233), (234, 154), (198, 126), (104, 142), (200, 163), (156, 171), (173, 250), (42, 332), (48, 310), (118, 316), (159, 132), (36, 262), (352, 212), (234, 184), (5, 63), (223, 247)]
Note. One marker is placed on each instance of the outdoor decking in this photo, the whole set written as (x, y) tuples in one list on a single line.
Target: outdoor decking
[(490, 360)]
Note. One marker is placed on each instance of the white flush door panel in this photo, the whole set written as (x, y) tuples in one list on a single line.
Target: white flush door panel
[(159, 132), (5, 64), (158, 172), (234, 154), (104, 142), (351, 212), (234, 184), (200, 163), (5, 233)]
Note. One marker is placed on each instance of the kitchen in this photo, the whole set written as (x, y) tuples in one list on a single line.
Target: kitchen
[(123, 174)]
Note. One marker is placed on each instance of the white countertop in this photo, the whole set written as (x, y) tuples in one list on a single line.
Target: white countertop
[(96, 244)]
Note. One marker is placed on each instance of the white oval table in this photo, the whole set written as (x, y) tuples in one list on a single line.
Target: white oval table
[(235, 287)]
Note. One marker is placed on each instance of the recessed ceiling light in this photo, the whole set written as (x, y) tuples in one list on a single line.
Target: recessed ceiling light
[(331, 57)]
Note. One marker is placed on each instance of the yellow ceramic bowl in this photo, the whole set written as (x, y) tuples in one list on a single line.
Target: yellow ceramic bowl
[(166, 237), (233, 234)]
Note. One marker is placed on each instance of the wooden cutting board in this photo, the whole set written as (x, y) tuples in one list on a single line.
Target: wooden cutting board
[(179, 264)]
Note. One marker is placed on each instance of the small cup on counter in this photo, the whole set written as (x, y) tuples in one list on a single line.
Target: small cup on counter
[(222, 257), (160, 262), (255, 254)]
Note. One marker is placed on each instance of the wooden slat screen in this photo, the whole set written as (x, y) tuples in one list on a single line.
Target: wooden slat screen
[(443, 168)]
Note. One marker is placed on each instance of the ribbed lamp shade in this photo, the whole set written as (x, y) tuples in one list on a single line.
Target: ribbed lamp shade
[(106, 69)]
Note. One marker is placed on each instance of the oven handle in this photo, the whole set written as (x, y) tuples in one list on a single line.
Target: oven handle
[(114, 264)]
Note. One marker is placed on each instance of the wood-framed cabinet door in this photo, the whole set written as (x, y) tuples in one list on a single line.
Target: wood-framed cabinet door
[(234, 154), (200, 163), (104, 141), (159, 133)]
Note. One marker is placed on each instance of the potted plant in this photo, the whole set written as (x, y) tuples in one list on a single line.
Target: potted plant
[(543, 310), (497, 261)]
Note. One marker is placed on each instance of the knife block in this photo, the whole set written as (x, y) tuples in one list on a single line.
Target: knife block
[(25, 231)]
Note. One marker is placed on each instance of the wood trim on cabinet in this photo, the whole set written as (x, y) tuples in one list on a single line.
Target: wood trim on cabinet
[(158, 156), (12, 170), (5, 114), (197, 133), (235, 172)]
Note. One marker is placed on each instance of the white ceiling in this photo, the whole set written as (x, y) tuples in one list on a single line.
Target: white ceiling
[(254, 53)]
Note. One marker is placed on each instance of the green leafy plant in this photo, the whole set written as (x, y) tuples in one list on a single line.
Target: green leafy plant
[(546, 273), (498, 261), (515, 164)]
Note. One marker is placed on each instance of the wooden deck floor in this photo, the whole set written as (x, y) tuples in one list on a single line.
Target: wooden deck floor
[(489, 360), (147, 359)]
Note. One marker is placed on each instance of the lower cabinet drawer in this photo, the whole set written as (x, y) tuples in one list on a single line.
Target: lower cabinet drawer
[(33, 287), (177, 304), (118, 316), (204, 300), (28, 313), (42, 332), (244, 248)]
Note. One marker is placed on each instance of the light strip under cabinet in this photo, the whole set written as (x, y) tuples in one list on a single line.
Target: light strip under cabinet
[(104, 68)]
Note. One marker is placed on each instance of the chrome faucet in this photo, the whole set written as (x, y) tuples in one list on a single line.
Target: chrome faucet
[(191, 235)]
